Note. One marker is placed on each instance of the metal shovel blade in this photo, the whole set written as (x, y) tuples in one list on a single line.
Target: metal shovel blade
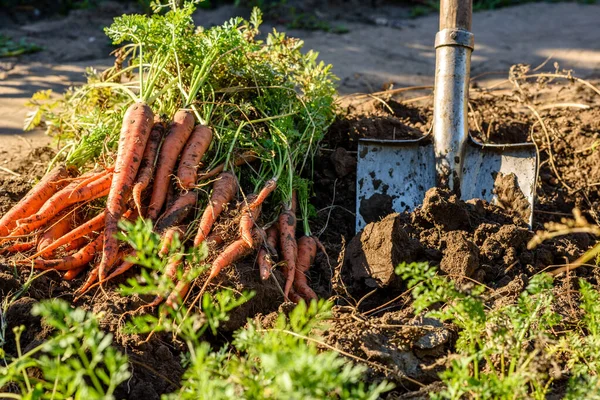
[(393, 176)]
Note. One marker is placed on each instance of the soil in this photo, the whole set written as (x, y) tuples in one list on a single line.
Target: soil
[(470, 241)]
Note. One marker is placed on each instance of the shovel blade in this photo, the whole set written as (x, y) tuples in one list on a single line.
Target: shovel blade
[(502, 175), (393, 176)]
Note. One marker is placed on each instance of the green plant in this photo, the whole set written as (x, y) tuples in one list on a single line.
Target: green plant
[(582, 347), (266, 96), (500, 350), (282, 362), (77, 361)]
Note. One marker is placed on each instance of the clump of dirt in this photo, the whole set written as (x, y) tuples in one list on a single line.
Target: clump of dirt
[(468, 240), (471, 241), (510, 197)]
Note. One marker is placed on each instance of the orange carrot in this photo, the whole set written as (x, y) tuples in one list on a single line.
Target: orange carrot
[(168, 237), (215, 239), (265, 261), (60, 226), (288, 245), (244, 158), (171, 273), (147, 164), (34, 199), (129, 261), (224, 189), (179, 132), (135, 130), (232, 253), (88, 227), (269, 187), (130, 215), (75, 244), (92, 176), (177, 211), (73, 273), (60, 201), (307, 251), (193, 151), (181, 289), (79, 259), (247, 220), (19, 247)]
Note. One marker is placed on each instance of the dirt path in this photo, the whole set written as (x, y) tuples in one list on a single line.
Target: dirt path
[(381, 47)]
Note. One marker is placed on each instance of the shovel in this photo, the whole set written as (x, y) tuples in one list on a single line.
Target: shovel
[(393, 175)]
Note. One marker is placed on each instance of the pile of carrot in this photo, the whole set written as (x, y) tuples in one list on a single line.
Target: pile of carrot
[(55, 226)]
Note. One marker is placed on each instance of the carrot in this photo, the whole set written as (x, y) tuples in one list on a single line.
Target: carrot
[(88, 227), (130, 215), (76, 244), (171, 273), (244, 158), (147, 164), (247, 220), (177, 211), (307, 251), (269, 187), (73, 273), (294, 297), (19, 247), (193, 151), (232, 253), (179, 132), (121, 269), (60, 201), (137, 123), (60, 226), (35, 198), (168, 236), (288, 245), (125, 265), (181, 288), (265, 262), (79, 259), (92, 176), (215, 239), (224, 189)]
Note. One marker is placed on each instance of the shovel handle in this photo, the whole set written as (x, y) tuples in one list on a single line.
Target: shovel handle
[(456, 14)]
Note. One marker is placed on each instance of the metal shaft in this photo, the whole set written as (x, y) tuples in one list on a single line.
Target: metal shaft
[(454, 44)]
